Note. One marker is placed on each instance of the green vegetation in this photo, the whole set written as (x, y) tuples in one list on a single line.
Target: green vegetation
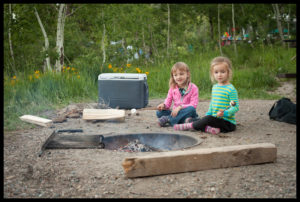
[(30, 88), (37, 92)]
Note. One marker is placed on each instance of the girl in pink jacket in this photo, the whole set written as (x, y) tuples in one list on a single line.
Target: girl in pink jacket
[(184, 96)]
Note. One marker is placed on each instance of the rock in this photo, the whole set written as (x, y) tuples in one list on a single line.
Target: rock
[(74, 115), (60, 119)]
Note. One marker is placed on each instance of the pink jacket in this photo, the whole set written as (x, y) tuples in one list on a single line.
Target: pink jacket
[(190, 97)]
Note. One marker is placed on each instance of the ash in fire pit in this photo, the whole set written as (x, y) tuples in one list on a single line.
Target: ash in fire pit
[(136, 146)]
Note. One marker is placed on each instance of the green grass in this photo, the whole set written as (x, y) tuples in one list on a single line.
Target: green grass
[(48, 91), (254, 72)]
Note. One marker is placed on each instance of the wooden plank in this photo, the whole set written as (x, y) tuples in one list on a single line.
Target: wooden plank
[(36, 120), (103, 114), (199, 159)]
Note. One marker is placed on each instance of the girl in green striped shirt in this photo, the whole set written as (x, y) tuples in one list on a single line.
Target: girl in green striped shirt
[(220, 116)]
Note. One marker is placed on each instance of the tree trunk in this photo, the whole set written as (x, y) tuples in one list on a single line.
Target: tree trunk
[(168, 39), (242, 8), (46, 40), (219, 29), (124, 44), (10, 41), (153, 46), (211, 28), (103, 43), (143, 38), (60, 37), (144, 46), (277, 13), (288, 25), (103, 46), (233, 24)]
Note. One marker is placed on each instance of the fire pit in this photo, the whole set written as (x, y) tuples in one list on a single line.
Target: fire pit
[(141, 142), (146, 142)]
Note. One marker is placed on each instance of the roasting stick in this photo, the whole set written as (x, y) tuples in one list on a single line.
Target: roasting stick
[(155, 108), (149, 108)]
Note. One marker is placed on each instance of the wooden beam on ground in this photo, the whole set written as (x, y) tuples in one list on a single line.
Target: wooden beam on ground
[(199, 159), (103, 114), (36, 120)]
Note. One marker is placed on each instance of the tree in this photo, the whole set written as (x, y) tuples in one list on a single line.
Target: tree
[(103, 43), (168, 37), (10, 41), (219, 30), (60, 37), (209, 10), (154, 28), (46, 48), (278, 17), (233, 27)]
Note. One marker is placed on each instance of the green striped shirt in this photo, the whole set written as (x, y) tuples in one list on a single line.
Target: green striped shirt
[(220, 99)]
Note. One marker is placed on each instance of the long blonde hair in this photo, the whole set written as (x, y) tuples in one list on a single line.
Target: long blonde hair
[(181, 66), (220, 60)]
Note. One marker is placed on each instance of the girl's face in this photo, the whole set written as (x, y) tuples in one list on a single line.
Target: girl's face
[(180, 78), (221, 74)]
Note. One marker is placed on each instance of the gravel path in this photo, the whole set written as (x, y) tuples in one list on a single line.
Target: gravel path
[(97, 173)]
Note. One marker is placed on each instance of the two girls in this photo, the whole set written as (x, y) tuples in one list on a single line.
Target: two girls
[(221, 114)]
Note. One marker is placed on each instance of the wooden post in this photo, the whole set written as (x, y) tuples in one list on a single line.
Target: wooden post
[(199, 159)]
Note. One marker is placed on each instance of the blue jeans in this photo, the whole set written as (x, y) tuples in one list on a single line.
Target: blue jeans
[(181, 116)]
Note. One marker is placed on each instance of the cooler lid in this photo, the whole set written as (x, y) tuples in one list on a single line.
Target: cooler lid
[(118, 76)]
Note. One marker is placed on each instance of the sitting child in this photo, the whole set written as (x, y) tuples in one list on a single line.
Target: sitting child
[(183, 93)]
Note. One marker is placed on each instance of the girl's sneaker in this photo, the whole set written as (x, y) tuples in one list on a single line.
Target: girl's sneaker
[(212, 130), (162, 121)]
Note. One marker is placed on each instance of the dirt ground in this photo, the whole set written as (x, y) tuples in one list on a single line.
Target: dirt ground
[(98, 173)]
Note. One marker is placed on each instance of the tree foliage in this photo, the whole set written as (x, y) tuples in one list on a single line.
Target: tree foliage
[(193, 27)]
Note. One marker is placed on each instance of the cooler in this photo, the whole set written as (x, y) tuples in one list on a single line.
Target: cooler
[(123, 90)]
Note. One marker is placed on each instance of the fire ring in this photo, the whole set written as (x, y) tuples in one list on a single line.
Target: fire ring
[(139, 142), (147, 142)]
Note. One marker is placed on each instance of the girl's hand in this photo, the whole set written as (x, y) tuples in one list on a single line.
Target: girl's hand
[(175, 111), (161, 106), (220, 113)]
